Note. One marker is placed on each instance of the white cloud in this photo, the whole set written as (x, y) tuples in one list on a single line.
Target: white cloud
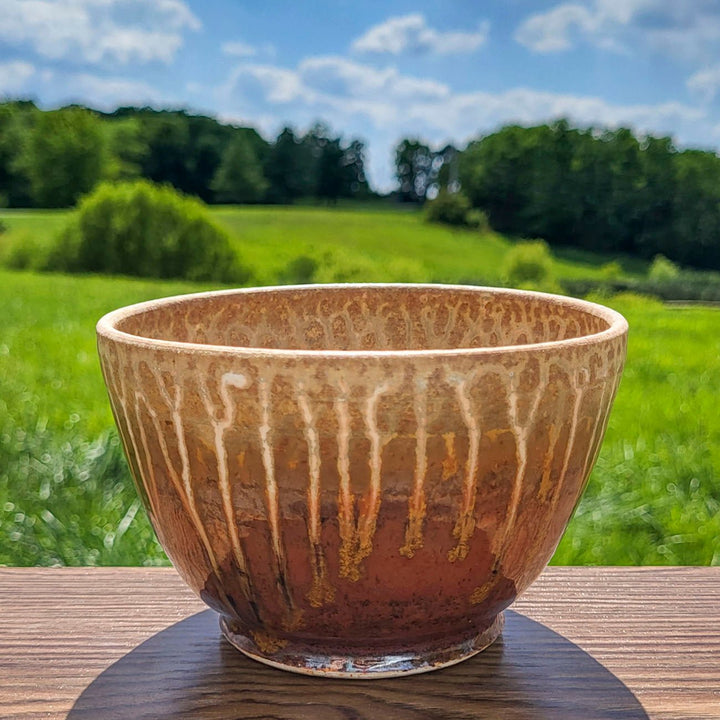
[(277, 84), (466, 113), (94, 31), (705, 83), (698, 40), (551, 31), (411, 33), (336, 75), (689, 30), (238, 48), (335, 86), (241, 49), (384, 105), (108, 92), (13, 76), (335, 81)]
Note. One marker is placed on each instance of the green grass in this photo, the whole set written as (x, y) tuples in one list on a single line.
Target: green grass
[(40, 225), (368, 244), (269, 238), (65, 493), (654, 496), (29, 234)]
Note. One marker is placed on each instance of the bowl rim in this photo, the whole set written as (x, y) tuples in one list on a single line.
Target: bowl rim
[(107, 325)]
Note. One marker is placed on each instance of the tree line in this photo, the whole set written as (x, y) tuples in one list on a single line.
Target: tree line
[(51, 158), (597, 189)]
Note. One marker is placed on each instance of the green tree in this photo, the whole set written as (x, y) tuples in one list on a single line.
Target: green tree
[(333, 170), (65, 156), (330, 173), (186, 150), (494, 175), (285, 169), (168, 143), (446, 161), (313, 146), (657, 234), (613, 209), (413, 169), (696, 223), (355, 182), (239, 178), (16, 118), (127, 149), (602, 190)]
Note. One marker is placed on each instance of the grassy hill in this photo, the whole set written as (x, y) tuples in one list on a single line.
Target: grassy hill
[(346, 243), (65, 494)]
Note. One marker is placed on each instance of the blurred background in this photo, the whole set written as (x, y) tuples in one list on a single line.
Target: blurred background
[(149, 149)]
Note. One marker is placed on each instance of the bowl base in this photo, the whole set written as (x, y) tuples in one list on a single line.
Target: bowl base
[(363, 667)]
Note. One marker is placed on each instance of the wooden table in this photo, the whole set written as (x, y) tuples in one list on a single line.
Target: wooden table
[(583, 643)]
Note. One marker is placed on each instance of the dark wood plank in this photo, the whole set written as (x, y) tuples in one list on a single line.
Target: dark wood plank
[(583, 643)]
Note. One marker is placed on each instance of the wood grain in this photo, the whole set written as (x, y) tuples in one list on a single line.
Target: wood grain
[(582, 644)]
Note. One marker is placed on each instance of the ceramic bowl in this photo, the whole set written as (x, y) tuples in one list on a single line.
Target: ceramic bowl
[(360, 478)]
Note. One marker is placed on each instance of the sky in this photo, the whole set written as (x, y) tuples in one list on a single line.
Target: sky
[(442, 70)]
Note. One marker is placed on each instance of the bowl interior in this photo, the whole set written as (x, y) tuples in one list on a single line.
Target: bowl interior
[(361, 318)]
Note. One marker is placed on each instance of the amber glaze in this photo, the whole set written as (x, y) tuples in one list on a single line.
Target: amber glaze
[(360, 478)]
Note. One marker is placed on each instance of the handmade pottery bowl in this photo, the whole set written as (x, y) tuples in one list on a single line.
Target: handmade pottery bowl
[(360, 478)]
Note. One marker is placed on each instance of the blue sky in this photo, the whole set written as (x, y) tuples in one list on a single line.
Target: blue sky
[(444, 70)]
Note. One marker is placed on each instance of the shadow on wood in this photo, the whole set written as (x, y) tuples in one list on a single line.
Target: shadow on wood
[(189, 671)]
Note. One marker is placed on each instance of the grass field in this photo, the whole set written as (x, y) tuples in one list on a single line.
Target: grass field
[(348, 244), (65, 494)]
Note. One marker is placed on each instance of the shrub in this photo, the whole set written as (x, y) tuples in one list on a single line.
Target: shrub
[(23, 250), (529, 265), (448, 208), (24, 253), (478, 220), (455, 209), (404, 270), (301, 270), (663, 269), (611, 270), (687, 286), (343, 266), (138, 228)]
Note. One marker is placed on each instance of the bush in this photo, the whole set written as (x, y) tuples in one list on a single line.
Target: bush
[(478, 220), (663, 269), (138, 228), (344, 266), (687, 286), (301, 270), (529, 265), (24, 253), (455, 209), (448, 208), (23, 250), (611, 270)]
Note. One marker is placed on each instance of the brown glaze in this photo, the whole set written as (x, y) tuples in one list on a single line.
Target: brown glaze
[(351, 473)]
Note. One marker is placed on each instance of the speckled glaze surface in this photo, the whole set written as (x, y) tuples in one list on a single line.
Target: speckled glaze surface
[(360, 478)]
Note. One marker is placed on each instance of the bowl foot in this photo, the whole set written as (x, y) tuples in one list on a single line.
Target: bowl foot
[(356, 666)]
